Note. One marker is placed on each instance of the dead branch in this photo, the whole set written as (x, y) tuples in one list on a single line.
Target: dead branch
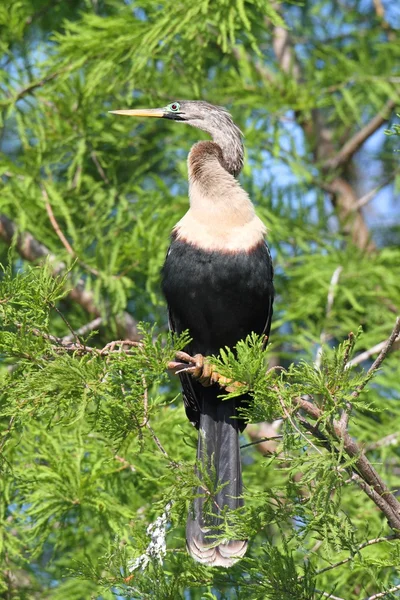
[(355, 143), (32, 250), (87, 328), (329, 305)]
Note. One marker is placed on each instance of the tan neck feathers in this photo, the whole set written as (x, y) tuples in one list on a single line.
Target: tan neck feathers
[(221, 215)]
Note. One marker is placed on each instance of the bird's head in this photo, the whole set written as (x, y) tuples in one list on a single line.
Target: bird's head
[(214, 120)]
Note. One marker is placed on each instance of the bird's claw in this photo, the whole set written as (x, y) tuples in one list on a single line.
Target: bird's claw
[(206, 374)]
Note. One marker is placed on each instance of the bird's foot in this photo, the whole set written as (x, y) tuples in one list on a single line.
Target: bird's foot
[(201, 370), (206, 374)]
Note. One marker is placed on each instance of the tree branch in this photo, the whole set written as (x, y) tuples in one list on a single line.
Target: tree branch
[(378, 540), (366, 476), (383, 348), (383, 594), (32, 250), (355, 143), (329, 305)]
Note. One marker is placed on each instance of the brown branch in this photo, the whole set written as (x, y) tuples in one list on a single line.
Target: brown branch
[(386, 348), (65, 345), (54, 223), (355, 143), (34, 85), (32, 250), (159, 445), (262, 440), (293, 424), (368, 353), (366, 476), (99, 168), (60, 234)]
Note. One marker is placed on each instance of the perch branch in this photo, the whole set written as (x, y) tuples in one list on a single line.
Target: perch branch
[(365, 475)]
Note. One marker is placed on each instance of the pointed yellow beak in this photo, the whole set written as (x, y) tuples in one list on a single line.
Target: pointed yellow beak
[(141, 112)]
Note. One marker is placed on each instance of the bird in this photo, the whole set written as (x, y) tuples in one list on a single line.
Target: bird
[(218, 283)]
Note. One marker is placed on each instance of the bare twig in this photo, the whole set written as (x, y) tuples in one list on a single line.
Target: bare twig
[(145, 402), (288, 416), (386, 348), (87, 328), (392, 439), (54, 223), (355, 143), (65, 345), (346, 412), (60, 234), (372, 193), (383, 594), (73, 333), (378, 540), (7, 432), (261, 440), (331, 596), (126, 464), (368, 353), (99, 168), (159, 445), (329, 305), (34, 85)]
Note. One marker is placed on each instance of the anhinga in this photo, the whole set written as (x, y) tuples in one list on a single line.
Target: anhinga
[(217, 280)]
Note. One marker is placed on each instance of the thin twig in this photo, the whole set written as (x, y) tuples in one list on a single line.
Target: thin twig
[(67, 346), (73, 333), (329, 305), (378, 540), (145, 402), (331, 596), (60, 234), (158, 443), (125, 463), (372, 193), (261, 440), (383, 594), (380, 358), (288, 416), (389, 440), (363, 356), (7, 433), (346, 412), (87, 328), (54, 223), (354, 143), (99, 168)]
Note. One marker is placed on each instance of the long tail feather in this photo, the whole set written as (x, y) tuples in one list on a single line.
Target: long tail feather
[(218, 455)]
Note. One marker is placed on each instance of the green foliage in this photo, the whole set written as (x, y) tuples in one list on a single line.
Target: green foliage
[(94, 442)]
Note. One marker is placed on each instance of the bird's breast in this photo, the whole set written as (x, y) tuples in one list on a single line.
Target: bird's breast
[(220, 231), (219, 296)]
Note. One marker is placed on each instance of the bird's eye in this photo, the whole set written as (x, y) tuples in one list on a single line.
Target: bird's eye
[(174, 107)]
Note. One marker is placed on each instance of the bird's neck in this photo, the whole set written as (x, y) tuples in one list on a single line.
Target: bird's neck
[(221, 216), (232, 150), (213, 191)]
